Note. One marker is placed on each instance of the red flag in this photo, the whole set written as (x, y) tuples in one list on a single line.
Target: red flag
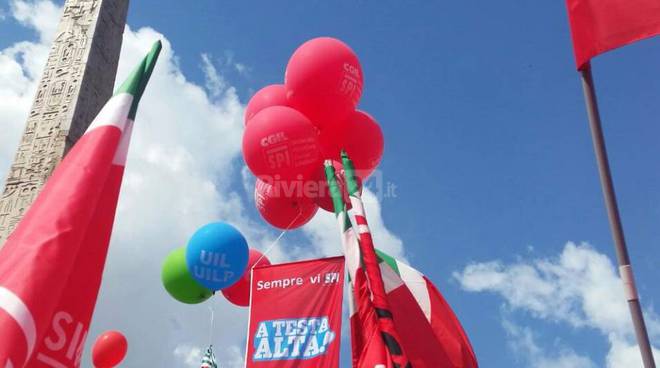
[(66, 336), (367, 343), (51, 265), (430, 331), (295, 315), (602, 25)]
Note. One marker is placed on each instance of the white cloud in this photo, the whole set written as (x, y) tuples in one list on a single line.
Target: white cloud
[(523, 342), (579, 288), (20, 66), (188, 355), (184, 169), (229, 62), (40, 15), (215, 83), (215, 69), (242, 69)]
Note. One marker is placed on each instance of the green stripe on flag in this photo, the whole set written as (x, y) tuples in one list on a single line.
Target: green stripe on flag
[(136, 82), (349, 173), (347, 223), (132, 84), (335, 192), (384, 257)]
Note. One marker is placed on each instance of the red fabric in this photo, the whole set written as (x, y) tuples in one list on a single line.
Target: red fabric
[(366, 342), (39, 257), (417, 337), (379, 297), (79, 298), (448, 329), (297, 326), (602, 25)]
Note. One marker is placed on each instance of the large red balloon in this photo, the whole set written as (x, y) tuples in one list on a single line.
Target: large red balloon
[(323, 198), (273, 95), (282, 144), (324, 80), (280, 210), (361, 137), (109, 349), (239, 293)]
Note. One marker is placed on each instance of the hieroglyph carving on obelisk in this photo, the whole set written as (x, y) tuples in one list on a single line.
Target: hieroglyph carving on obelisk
[(78, 79)]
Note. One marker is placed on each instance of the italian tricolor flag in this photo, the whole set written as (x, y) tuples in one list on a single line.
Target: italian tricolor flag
[(52, 264), (428, 330), (367, 346)]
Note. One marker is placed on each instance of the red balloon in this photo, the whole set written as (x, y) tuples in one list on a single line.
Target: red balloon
[(324, 80), (361, 137), (282, 144), (239, 293), (324, 199), (282, 211), (273, 95), (109, 349)]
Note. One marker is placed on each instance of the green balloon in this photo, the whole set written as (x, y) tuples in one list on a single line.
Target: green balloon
[(178, 281)]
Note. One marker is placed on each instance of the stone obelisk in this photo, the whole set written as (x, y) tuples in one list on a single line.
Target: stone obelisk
[(78, 79)]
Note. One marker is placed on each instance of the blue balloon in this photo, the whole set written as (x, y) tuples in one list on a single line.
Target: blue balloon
[(217, 255)]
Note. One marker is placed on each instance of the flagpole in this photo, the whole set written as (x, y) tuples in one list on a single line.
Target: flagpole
[(625, 268)]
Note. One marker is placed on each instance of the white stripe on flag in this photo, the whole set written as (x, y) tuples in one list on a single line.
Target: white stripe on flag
[(14, 306), (363, 229), (114, 113), (358, 207), (122, 150), (351, 247), (352, 308), (417, 285), (390, 279)]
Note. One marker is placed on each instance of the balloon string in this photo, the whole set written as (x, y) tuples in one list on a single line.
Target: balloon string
[(212, 325), (272, 245)]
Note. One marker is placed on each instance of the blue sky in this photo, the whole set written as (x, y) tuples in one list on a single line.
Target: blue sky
[(486, 137)]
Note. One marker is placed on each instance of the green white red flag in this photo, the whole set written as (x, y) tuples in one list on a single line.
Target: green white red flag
[(385, 318), (367, 346), (428, 329), (52, 264)]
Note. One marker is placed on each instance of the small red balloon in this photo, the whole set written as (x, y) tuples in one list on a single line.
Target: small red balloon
[(323, 199), (239, 293), (282, 144), (273, 95), (361, 137), (109, 349), (324, 80), (282, 211)]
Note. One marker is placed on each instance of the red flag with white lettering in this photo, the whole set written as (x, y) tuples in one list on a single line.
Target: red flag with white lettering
[(52, 264), (602, 25), (295, 315)]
